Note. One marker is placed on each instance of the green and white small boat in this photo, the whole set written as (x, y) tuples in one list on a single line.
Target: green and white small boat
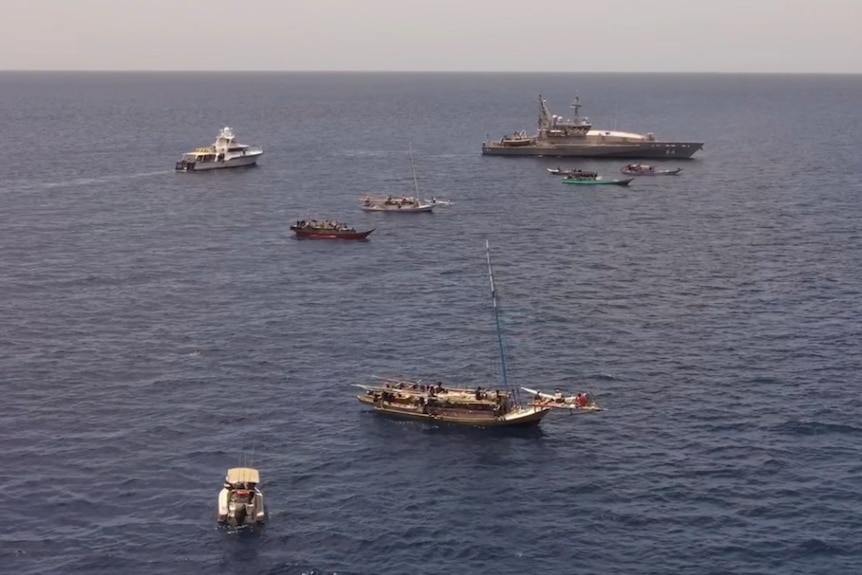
[(577, 181)]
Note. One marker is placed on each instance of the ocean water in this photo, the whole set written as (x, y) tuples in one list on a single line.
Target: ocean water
[(157, 328)]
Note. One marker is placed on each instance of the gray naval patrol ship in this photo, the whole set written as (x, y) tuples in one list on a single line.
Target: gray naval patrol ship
[(575, 137)]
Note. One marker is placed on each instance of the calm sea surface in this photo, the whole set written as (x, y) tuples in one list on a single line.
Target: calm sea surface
[(157, 327)]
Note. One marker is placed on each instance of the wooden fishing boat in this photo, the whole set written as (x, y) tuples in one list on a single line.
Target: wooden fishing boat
[(647, 170), (327, 230), (576, 181), (436, 403)]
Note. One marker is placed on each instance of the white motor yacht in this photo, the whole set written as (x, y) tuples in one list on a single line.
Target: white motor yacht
[(225, 152)]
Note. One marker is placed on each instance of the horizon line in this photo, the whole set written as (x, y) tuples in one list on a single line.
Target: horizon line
[(234, 71)]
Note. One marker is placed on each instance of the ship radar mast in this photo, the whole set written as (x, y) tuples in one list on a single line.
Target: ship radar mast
[(545, 122), (576, 106)]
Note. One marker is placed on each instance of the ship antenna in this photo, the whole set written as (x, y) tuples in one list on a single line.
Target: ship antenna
[(576, 106), (413, 165), (497, 318)]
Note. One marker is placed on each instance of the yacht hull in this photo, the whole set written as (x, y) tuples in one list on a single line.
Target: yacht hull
[(646, 150), (237, 162)]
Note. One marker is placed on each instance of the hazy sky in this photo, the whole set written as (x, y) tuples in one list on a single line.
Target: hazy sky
[(457, 35)]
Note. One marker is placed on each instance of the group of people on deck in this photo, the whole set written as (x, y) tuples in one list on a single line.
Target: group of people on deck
[(323, 225), (577, 174), (581, 400), (243, 492), (639, 168), (436, 397), (431, 388)]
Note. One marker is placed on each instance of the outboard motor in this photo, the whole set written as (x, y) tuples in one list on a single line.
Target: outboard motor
[(236, 514)]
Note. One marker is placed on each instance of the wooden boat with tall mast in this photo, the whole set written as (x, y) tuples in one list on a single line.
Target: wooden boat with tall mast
[(436, 403)]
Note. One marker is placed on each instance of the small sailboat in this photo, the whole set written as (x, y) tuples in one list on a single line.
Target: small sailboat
[(401, 205), (438, 403)]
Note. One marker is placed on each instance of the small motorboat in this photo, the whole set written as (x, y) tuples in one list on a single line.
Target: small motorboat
[(576, 181), (240, 502), (581, 401), (573, 172), (647, 170), (517, 139), (327, 230)]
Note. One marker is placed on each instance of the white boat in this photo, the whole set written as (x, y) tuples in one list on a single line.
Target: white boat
[(581, 401), (240, 502), (404, 204), (435, 403), (225, 152), (647, 170)]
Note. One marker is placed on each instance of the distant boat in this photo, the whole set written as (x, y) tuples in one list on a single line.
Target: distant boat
[(572, 172), (240, 502), (647, 170), (436, 403), (327, 230), (403, 204), (225, 152), (576, 181)]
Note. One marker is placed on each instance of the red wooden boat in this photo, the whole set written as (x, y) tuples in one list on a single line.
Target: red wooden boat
[(327, 230)]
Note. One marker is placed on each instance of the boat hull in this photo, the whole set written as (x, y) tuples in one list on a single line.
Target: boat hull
[(330, 234), (237, 162), (641, 150), (623, 182), (424, 209), (652, 173), (526, 417)]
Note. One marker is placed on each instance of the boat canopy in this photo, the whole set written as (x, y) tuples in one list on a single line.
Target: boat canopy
[(242, 475)]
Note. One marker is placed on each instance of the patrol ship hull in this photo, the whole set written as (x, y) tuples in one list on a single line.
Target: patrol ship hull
[(650, 150)]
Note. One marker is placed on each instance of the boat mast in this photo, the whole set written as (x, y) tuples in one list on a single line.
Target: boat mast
[(413, 165), (545, 118), (576, 106), (497, 319)]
